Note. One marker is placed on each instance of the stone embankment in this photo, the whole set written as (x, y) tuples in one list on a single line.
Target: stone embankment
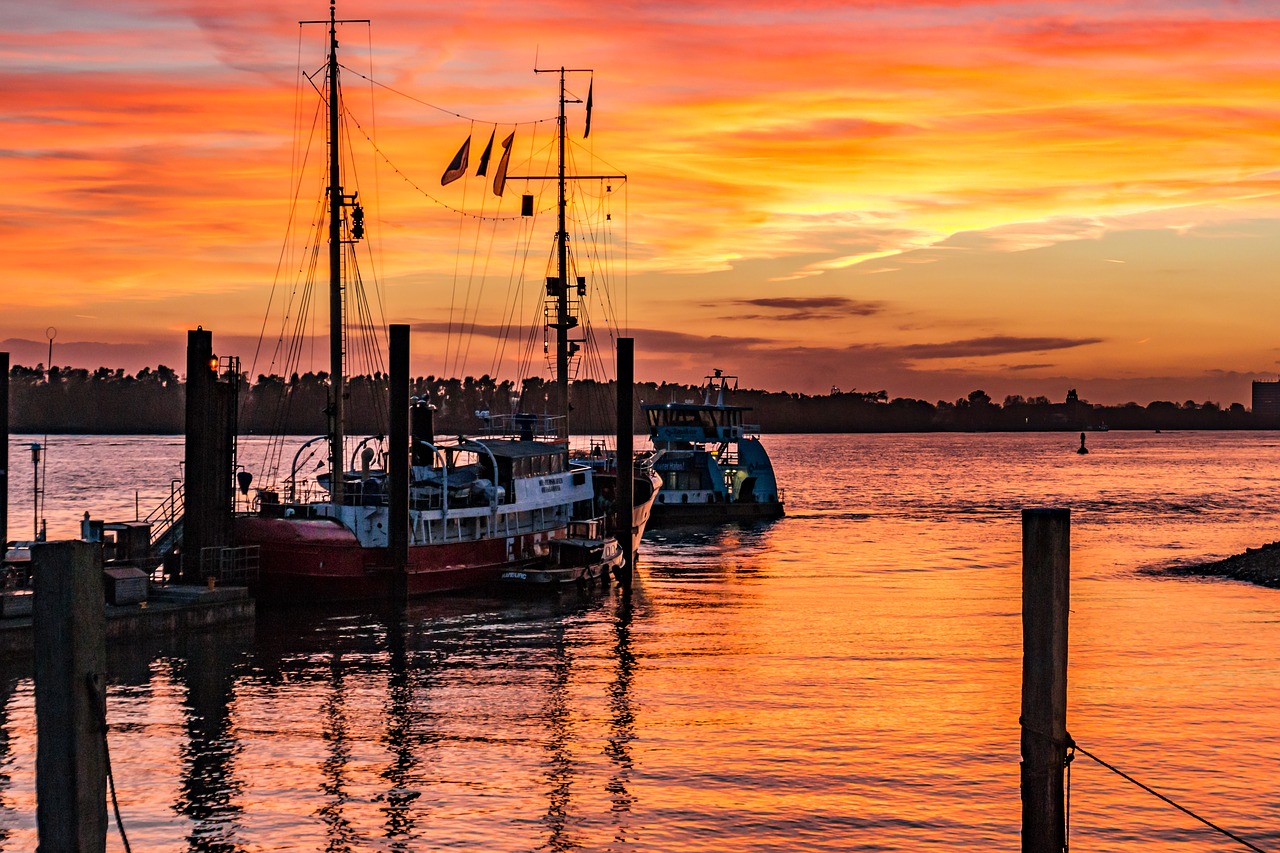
[(1256, 565)]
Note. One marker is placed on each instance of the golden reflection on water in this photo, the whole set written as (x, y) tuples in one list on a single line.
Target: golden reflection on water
[(844, 679)]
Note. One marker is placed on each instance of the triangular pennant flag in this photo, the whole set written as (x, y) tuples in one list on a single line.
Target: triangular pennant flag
[(500, 176), (484, 158), (458, 166), (590, 86)]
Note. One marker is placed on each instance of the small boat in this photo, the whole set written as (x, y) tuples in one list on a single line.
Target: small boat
[(713, 467), (586, 555)]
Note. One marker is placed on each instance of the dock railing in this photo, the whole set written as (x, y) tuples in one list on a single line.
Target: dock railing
[(236, 566)]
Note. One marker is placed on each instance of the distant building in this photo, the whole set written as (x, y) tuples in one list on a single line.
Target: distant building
[(1266, 402)]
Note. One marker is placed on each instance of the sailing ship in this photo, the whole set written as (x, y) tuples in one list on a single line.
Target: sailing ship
[(479, 507), (713, 467)]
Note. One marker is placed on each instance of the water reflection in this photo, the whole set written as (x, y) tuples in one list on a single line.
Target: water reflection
[(560, 767), (210, 787), (622, 730), (400, 737), (339, 833), (8, 683)]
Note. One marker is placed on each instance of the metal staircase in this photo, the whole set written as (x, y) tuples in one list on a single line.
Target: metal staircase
[(166, 522)]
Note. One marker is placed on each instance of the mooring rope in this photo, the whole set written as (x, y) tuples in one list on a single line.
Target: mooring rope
[(1075, 746), (99, 692), (1071, 746)]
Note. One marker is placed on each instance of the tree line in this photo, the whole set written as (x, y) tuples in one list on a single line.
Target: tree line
[(107, 401)]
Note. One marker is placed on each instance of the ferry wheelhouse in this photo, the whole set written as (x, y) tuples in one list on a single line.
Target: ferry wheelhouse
[(713, 467)]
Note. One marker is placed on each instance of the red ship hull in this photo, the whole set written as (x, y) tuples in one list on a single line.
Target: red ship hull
[(319, 560)]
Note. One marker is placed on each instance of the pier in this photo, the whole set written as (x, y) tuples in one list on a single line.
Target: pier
[(167, 610)]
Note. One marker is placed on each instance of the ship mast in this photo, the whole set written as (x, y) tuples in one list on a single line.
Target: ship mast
[(336, 378), (563, 319), (558, 286), (337, 201)]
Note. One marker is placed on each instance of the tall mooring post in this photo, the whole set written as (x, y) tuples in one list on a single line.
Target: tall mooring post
[(626, 460), (4, 449), (1046, 569), (209, 478), (69, 624), (399, 460)]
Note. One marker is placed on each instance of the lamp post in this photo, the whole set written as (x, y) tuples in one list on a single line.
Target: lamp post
[(35, 491)]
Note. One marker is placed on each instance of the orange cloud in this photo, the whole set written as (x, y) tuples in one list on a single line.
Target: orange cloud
[(972, 155)]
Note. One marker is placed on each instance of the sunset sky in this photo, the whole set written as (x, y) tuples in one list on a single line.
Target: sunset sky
[(921, 197)]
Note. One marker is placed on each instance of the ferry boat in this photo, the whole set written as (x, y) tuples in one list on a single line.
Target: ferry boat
[(480, 508), (713, 467)]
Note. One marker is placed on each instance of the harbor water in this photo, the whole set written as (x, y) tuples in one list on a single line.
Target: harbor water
[(844, 679)]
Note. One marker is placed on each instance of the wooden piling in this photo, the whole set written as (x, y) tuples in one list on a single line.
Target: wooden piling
[(4, 449), (399, 459), (70, 665), (1046, 569), (626, 485)]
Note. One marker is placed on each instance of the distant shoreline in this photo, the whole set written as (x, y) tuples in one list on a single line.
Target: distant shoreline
[(27, 429)]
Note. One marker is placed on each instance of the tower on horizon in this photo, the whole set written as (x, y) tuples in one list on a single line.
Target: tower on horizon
[(1266, 402)]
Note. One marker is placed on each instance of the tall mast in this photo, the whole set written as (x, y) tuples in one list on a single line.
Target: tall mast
[(337, 201), (563, 320), (558, 286), (336, 379)]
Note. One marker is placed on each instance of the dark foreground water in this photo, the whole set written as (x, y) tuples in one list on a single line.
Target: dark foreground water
[(844, 679)]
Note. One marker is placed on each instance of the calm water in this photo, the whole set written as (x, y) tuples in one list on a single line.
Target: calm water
[(844, 679)]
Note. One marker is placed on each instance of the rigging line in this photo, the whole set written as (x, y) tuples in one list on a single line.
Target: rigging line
[(353, 254), (377, 185), (515, 278), (519, 265), (453, 292), (459, 364), (440, 109), (484, 277), (428, 196), (522, 257), (607, 276), (626, 262), (1155, 793), (297, 172)]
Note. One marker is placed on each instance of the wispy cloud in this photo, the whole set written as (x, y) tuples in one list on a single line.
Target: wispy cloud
[(807, 308), (993, 345)]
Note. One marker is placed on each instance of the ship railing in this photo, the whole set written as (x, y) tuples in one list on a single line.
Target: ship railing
[(235, 566), (526, 426)]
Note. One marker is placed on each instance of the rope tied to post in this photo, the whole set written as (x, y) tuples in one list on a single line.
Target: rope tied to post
[(1069, 753), (98, 691), (1073, 747)]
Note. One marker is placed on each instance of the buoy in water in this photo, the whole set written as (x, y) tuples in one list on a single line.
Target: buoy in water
[(1082, 449)]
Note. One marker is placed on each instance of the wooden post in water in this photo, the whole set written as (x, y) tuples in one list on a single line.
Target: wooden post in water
[(4, 449), (1046, 569), (399, 460), (626, 485), (69, 621)]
